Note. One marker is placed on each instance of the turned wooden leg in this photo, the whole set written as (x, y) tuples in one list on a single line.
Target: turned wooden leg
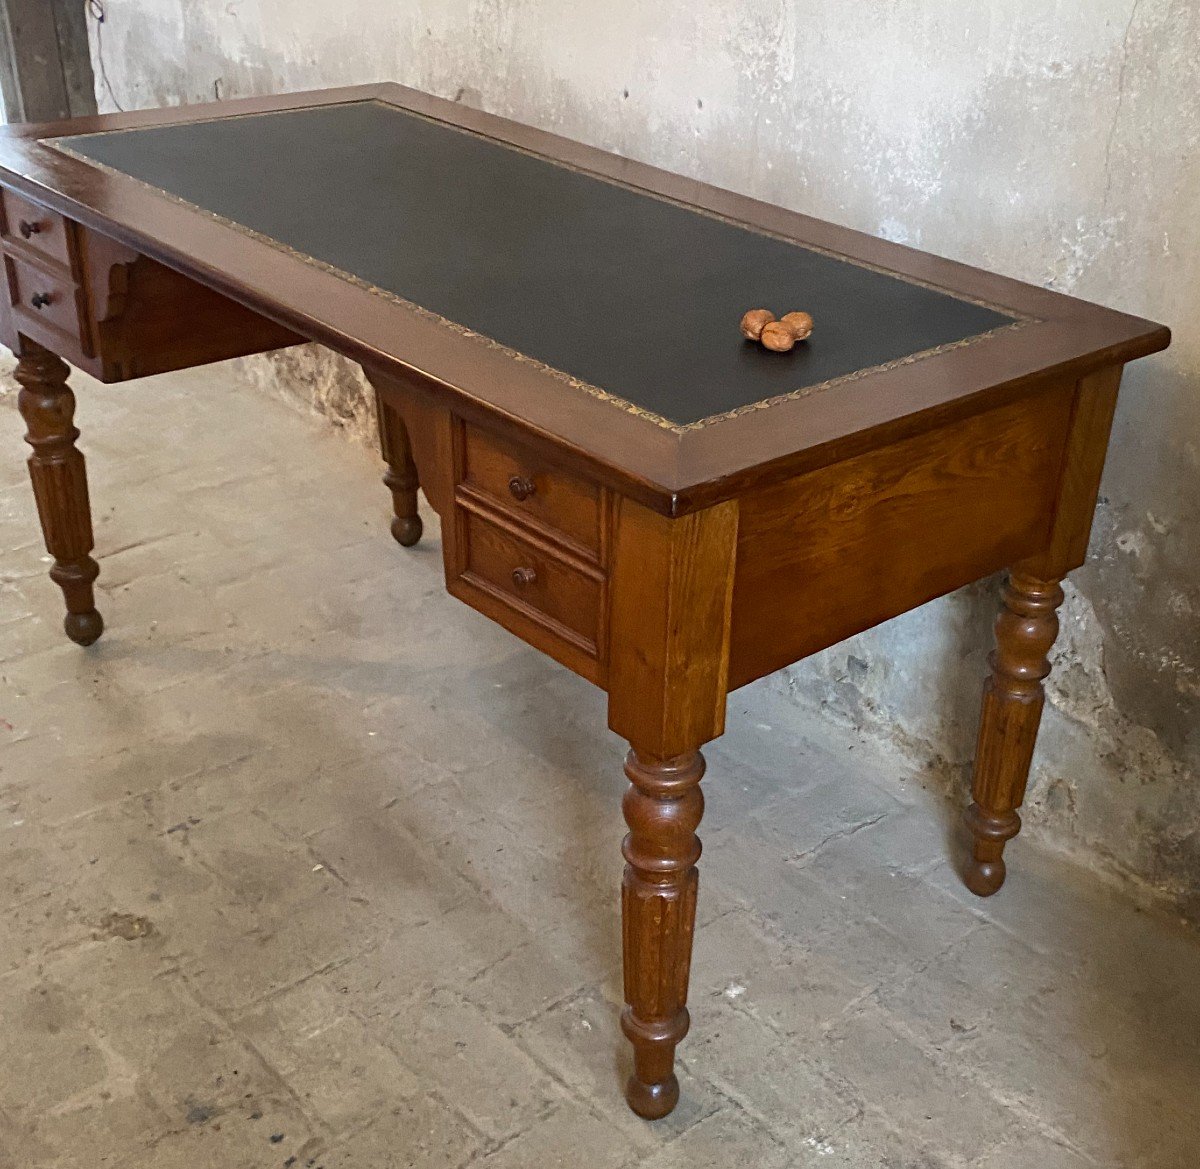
[(1012, 709), (670, 620), (60, 485), (662, 807), (401, 474)]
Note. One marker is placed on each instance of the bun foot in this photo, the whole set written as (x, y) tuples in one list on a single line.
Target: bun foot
[(84, 628), (652, 1101), (984, 878), (407, 529), (985, 869)]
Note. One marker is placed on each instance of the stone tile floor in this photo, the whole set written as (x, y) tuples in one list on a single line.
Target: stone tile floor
[(305, 864)]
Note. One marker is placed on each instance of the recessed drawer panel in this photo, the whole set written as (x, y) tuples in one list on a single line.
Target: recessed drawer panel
[(521, 482), (49, 298), (36, 229), (532, 580)]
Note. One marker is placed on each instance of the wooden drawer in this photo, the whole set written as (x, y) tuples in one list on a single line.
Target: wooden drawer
[(553, 600), (521, 482), (36, 230), (531, 578), (49, 297)]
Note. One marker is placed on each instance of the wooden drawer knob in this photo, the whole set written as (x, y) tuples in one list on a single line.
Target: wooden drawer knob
[(28, 229), (523, 577), (41, 300), (521, 488)]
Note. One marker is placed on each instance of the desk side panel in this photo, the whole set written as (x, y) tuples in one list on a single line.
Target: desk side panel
[(149, 319), (831, 553), (107, 309)]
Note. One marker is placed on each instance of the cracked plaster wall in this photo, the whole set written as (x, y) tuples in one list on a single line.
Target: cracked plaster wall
[(1052, 141)]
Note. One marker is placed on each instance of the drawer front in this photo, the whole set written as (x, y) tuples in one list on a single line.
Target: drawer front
[(518, 480), (47, 298), (532, 581), (36, 229)]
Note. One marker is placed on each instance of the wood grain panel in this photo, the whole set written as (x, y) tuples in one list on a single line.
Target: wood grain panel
[(1083, 464), (671, 587), (832, 553)]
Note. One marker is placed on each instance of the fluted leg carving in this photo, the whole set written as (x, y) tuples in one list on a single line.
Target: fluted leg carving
[(663, 808), (60, 485), (401, 474), (1013, 698)]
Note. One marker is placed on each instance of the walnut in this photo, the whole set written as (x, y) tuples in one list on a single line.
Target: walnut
[(778, 337), (801, 325), (754, 321)]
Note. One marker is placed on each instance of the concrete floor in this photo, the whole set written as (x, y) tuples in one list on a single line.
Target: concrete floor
[(305, 864)]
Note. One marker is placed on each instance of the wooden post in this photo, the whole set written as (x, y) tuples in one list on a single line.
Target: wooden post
[(45, 63), (672, 586)]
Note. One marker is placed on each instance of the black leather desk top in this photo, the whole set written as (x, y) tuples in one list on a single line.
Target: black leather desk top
[(618, 289)]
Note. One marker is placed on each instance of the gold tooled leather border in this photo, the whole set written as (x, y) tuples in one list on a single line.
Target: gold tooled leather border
[(1018, 320)]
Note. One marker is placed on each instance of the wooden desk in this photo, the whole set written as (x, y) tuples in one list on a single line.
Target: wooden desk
[(623, 482)]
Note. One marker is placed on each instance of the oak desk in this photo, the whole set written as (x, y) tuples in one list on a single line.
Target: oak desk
[(623, 482)]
